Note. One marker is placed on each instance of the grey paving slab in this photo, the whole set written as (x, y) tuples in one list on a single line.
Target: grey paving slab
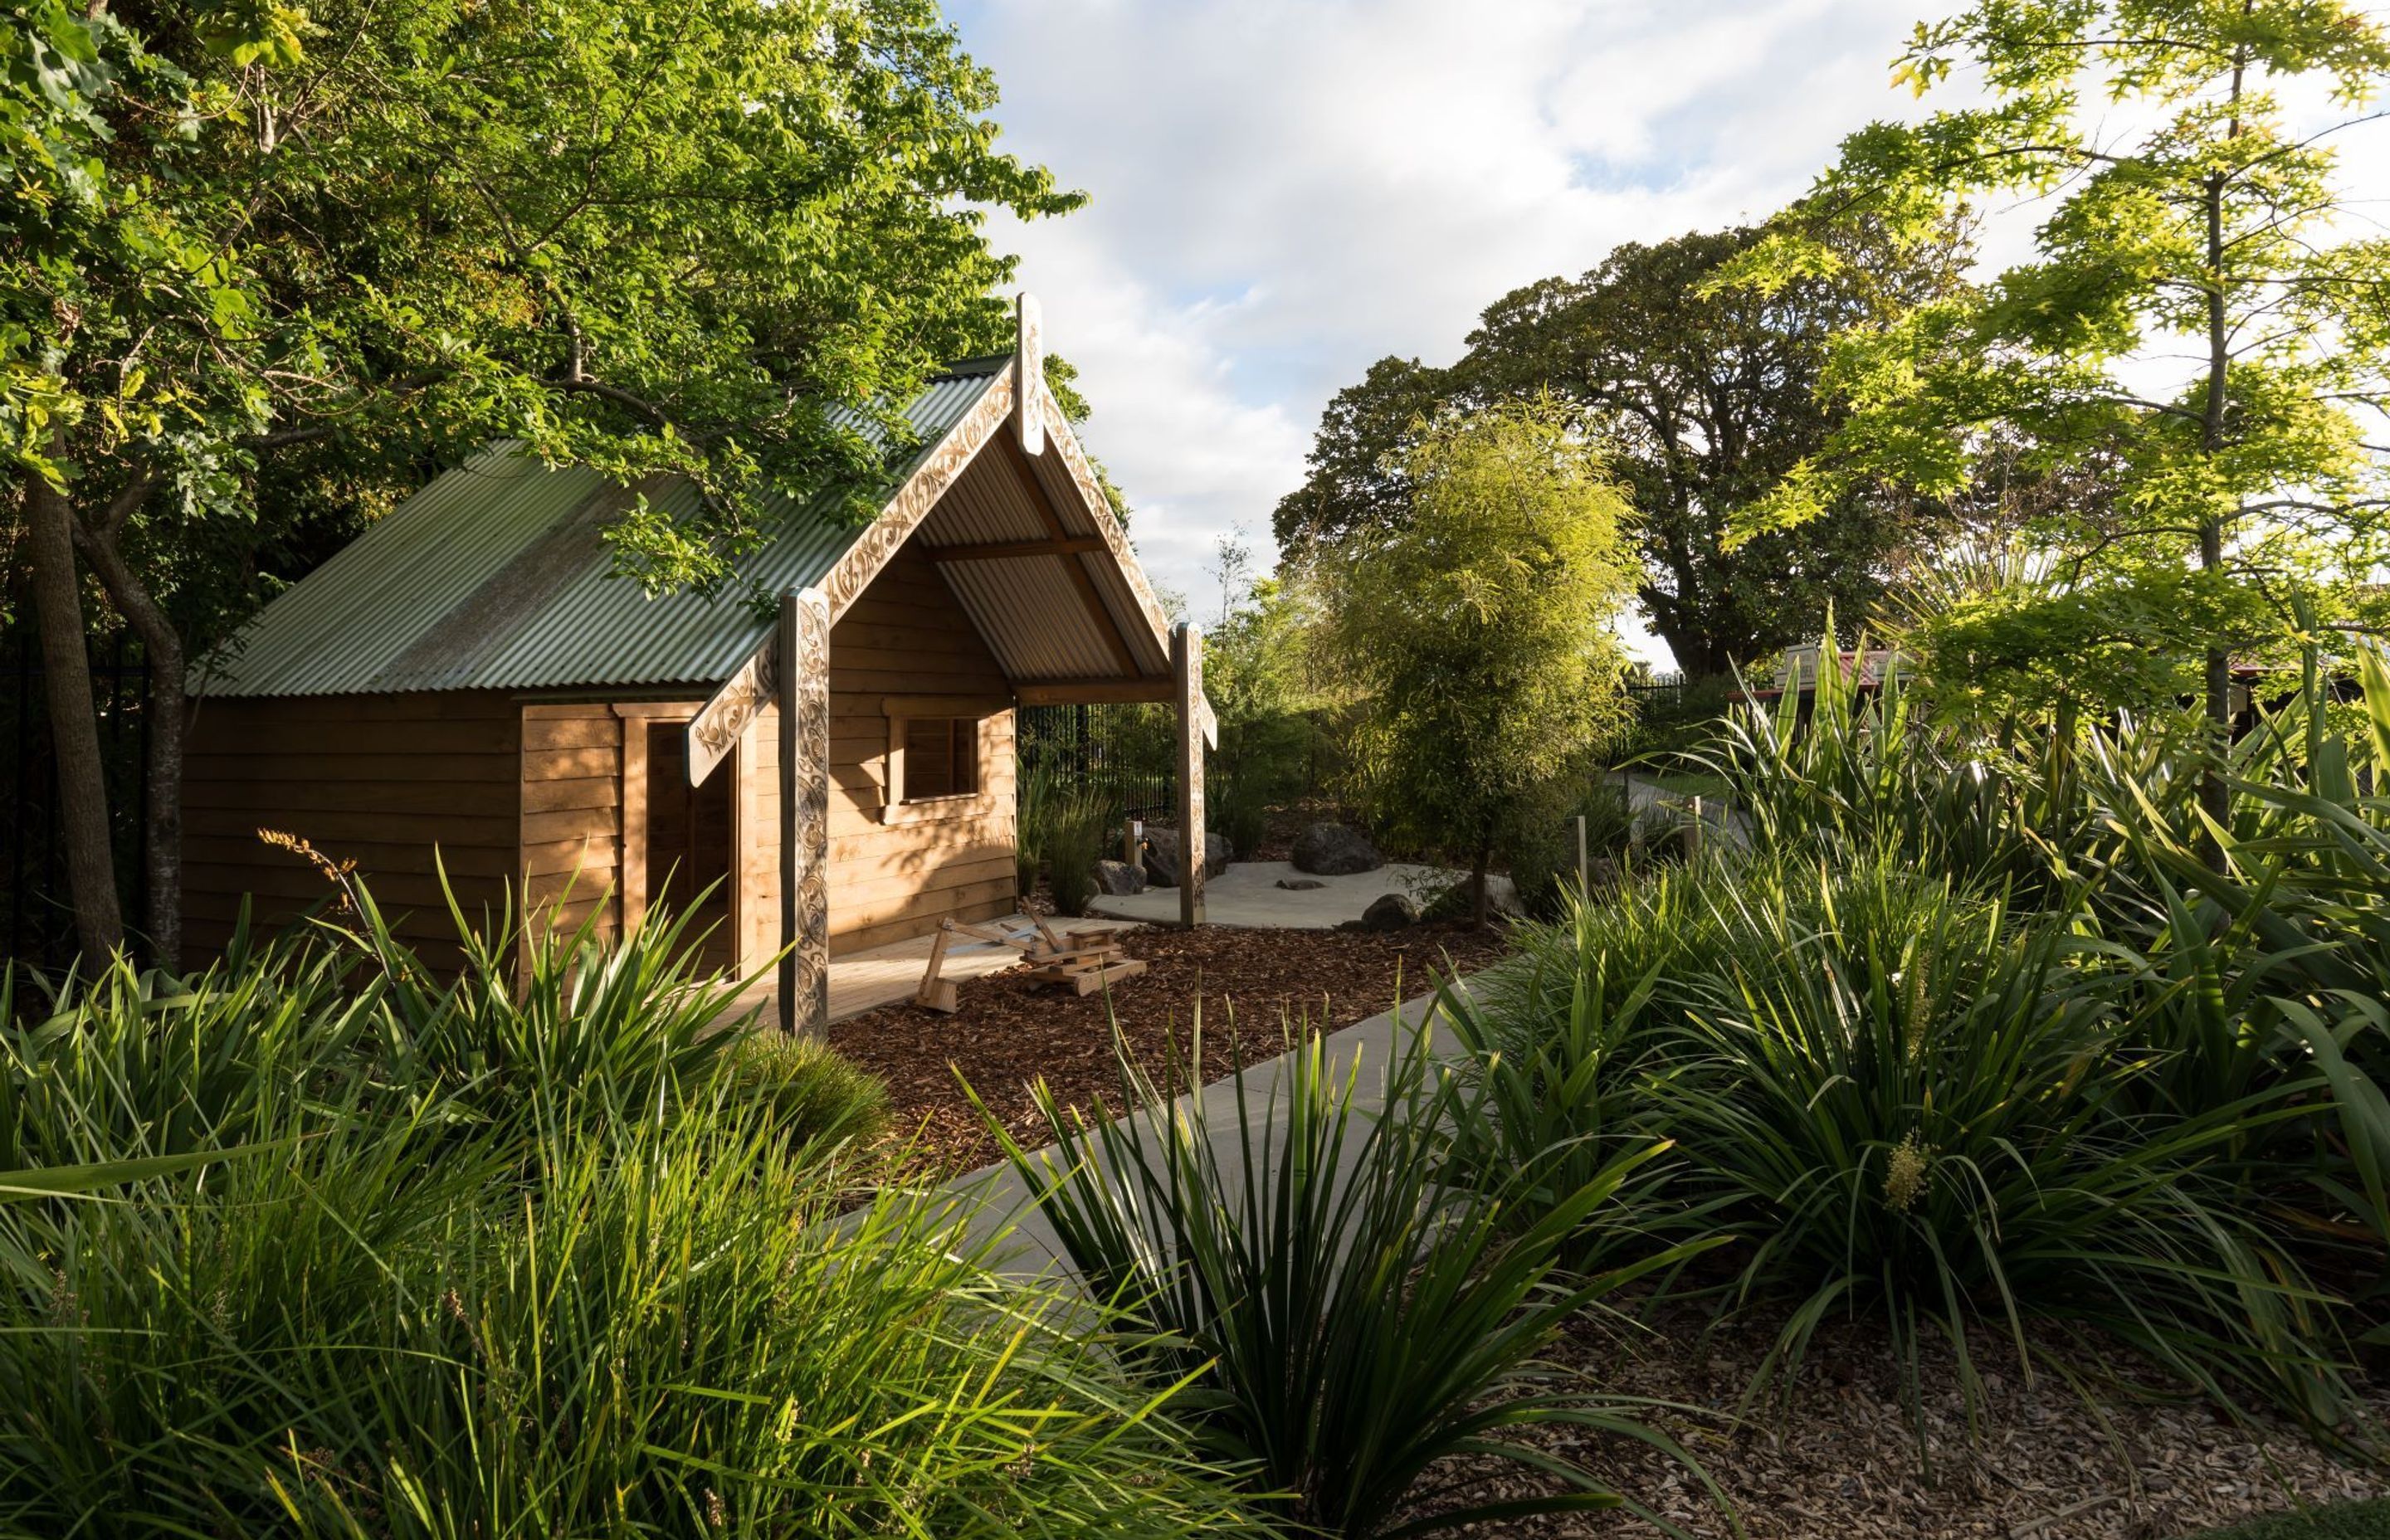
[(1248, 894)]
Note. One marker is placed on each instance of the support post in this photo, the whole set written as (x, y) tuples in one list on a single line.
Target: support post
[(801, 672), (1584, 869), (1187, 666)]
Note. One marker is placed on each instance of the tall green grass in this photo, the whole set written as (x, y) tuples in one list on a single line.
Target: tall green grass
[(547, 1248), (1350, 1304), (1988, 1032)]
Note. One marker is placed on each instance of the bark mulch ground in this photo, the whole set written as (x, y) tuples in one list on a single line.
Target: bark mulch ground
[(1256, 986), (2134, 1460)]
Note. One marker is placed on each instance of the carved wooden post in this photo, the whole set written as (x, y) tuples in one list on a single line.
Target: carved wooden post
[(1186, 665), (802, 672)]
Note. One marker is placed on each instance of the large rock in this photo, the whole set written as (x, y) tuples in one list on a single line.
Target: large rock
[(1162, 856), (1390, 912), (1332, 849), (1118, 879)]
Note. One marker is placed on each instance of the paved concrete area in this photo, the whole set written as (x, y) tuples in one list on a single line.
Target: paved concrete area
[(1248, 894), (883, 975)]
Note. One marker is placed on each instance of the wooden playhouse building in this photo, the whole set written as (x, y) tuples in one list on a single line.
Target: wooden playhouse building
[(466, 679)]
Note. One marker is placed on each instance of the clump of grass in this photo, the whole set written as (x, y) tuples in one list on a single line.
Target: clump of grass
[(1991, 1033), (420, 1273), (1352, 1304), (1063, 830), (807, 1091)]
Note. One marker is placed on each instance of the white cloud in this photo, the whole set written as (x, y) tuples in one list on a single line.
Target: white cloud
[(1287, 189)]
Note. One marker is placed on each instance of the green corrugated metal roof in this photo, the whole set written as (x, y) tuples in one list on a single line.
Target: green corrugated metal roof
[(493, 577)]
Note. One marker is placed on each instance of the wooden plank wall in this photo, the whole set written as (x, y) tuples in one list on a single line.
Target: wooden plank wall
[(571, 829), (382, 779), (905, 635)]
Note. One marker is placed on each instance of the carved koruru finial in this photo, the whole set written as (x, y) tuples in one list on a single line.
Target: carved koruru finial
[(1029, 377)]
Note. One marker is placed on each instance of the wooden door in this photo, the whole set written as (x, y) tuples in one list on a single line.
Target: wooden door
[(690, 832)]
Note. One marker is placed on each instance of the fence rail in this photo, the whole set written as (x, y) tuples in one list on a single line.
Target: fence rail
[(1126, 754)]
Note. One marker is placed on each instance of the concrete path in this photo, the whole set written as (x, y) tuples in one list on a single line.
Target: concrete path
[(1001, 1209), (1248, 894)]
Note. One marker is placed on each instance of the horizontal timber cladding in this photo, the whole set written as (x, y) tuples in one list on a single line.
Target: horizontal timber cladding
[(569, 840), (385, 780), (904, 636)]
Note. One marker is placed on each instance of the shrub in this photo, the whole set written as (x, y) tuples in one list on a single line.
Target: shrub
[(805, 1091), (1905, 1099), (662, 1333), (1539, 842), (1350, 1306), (629, 1307), (1064, 830), (1994, 1029)]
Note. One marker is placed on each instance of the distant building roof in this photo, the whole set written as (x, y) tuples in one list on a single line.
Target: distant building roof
[(495, 576)]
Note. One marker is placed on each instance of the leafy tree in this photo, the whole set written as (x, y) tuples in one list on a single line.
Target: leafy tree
[(1259, 674), (265, 265), (1706, 398), (1475, 632), (2201, 326)]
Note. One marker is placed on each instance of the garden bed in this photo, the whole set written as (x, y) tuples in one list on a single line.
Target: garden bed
[(1010, 1031), (1840, 1457)]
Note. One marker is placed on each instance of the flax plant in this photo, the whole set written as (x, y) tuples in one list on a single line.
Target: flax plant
[(1354, 1306)]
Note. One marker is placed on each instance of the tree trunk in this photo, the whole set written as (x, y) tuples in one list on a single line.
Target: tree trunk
[(74, 722), (2215, 799), (162, 647), (1480, 909)]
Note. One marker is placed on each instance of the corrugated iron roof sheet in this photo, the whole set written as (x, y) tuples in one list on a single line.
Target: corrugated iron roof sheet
[(493, 577)]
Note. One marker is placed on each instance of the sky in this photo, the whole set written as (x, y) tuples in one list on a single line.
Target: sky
[(1285, 190)]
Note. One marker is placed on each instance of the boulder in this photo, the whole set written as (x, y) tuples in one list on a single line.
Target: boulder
[(1390, 912), (1300, 885), (1162, 856), (1332, 850), (1118, 879)]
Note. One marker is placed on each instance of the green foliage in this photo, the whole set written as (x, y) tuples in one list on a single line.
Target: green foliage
[(2357, 1520), (1262, 678), (1350, 1306), (1064, 829), (1702, 398), (1538, 843), (808, 1094), (1990, 1030), (635, 1308), (2193, 336), (1474, 637)]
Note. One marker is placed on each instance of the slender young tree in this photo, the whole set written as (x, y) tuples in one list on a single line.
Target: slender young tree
[(1475, 633), (262, 261), (2203, 322)]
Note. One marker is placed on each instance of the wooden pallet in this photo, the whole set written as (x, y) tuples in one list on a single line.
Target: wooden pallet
[(1087, 960)]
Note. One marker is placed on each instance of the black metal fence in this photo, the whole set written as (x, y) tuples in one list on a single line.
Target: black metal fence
[(36, 917), (1657, 693), (1127, 753)]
